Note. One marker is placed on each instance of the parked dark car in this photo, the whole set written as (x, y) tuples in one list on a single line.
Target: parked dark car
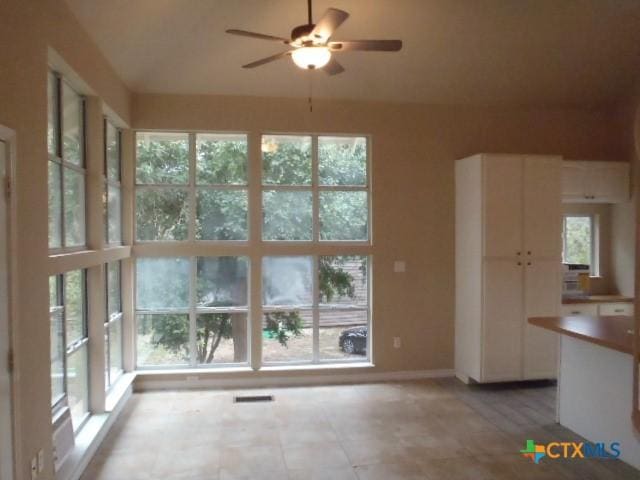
[(354, 340)]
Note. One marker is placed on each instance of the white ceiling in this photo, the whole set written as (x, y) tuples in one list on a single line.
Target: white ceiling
[(469, 52)]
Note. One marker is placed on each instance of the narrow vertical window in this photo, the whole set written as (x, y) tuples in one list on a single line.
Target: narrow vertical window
[(113, 324), (113, 190)]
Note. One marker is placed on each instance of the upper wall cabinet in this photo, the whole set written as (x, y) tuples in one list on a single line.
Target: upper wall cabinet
[(595, 182)]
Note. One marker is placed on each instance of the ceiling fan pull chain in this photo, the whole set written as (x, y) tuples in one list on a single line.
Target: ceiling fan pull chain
[(309, 10), (310, 91)]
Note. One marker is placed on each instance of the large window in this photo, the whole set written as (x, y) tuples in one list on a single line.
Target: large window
[(314, 188), (113, 324), (191, 187), (311, 199), (69, 344), (316, 309), (66, 147), (580, 241), (113, 191), (192, 311)]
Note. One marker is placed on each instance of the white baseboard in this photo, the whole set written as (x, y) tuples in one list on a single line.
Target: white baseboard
[(147, 383)]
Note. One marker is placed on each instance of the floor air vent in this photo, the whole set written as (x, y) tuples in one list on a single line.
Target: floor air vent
[(252, 398)]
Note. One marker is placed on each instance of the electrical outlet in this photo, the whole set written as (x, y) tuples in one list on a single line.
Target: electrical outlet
[(40, 461), (34, 468), (397, 343)]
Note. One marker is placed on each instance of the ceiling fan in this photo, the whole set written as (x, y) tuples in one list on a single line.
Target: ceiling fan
[(310, 45)]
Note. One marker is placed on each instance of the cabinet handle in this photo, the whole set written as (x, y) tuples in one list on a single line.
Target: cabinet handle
[(619, 310), (575, 313), (519, 263), (529, 252), (529, 263), (518, 253)]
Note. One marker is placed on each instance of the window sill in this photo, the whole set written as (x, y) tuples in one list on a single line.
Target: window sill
[(95, 429), (317, 366)]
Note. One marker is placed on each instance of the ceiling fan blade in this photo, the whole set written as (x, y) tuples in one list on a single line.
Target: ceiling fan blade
[(366, 45), (260, 36), (328, 24), (333, 67), (262, 61)]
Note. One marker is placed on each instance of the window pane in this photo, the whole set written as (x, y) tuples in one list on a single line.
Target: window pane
[(74, 216), (55, 206), (287, 336), (78, 385), (221, 338), (222, 282), (115, 350), (162, 158), (114, 215), (57, 352), (286, 160), (72, 126), (114, 304), (52, 114), (222, 215), (112, 144), (343, 216), (578, 240), (161, 214), (342, 160), (287, 280), (162, 340), (107, 380), (343, 334), (343, 281), (162, 283), (221, 159), (286, 215), (74, 306)]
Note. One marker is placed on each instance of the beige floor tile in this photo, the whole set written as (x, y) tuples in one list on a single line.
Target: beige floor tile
[(323, 473), (399, 471), (315, 456)]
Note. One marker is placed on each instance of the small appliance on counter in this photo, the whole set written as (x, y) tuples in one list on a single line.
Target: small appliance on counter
[(575, 280)]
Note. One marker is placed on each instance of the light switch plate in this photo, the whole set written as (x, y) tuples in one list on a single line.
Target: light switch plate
[(399, 266)]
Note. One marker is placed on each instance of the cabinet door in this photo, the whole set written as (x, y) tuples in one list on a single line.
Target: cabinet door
[(608, 182), (502, 320), (542, 299), (574, 181), (502, 187), (542, 207)]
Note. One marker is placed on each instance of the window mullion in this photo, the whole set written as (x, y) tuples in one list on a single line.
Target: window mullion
[(315, 309), (191, 234), (315, 212), (192, 310)]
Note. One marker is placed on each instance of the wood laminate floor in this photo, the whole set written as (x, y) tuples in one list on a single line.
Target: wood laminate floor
[(428, 430)]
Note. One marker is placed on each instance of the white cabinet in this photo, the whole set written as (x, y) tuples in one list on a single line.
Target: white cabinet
[(615, 309), (588, 309), (508, 249), (595, 182)]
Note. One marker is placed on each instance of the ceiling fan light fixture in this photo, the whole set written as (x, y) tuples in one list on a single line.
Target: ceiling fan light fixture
[(310, 58)]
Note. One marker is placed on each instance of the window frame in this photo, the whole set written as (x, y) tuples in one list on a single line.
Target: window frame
[(316, 189), (108, 182), (71, 348), (192, 311), (316, 309), (191, 188), (58, 159), (594, 267), (112, 319)]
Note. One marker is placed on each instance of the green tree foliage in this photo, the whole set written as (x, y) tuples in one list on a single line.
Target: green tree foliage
[(222, 215), (578, 240)]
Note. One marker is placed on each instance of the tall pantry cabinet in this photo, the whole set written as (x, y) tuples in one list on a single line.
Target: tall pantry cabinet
[(508, 265)]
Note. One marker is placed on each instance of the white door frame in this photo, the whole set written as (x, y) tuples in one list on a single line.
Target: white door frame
[(8, 136)]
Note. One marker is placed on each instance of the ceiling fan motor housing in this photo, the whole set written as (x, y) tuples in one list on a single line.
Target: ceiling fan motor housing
[(301, 32)]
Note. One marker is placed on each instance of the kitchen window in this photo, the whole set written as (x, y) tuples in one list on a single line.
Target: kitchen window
[(580, 241)]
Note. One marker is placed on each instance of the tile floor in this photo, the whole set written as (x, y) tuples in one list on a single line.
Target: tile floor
[(429, 430)]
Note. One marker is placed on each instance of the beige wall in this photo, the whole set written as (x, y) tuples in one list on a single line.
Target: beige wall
[(27, 29)]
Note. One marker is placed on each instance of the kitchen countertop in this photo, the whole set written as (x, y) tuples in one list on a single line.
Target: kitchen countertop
[(597, 299), (609, 332)]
